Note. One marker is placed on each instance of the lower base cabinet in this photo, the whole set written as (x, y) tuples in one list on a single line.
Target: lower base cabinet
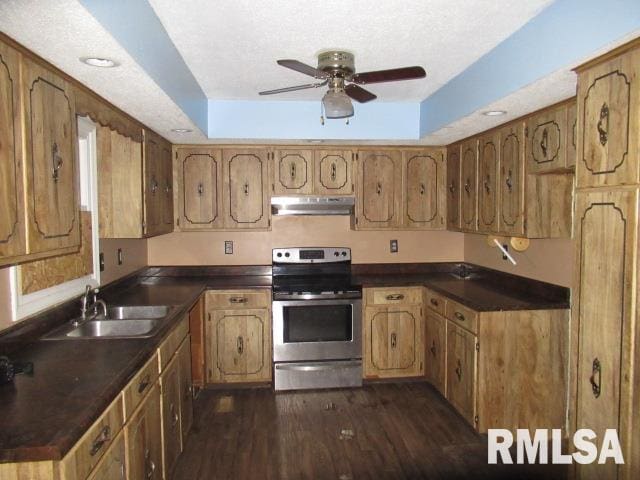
[(462, 364), (186, 388), (143, 439), (171, 434), (113, 465), (435, 340)]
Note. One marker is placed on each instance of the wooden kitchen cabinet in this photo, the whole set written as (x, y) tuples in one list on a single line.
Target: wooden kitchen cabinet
[(186, 388), (550, 143), (245, 186), (238, 336), (143, 439), (292, 171), (199, 192), (423, 195), (166, 185), (454, 197), (435, 362), (511, 180), (170, 401), (379, 197), (572, 133), (158, 181), (393, 333), (51, 161), (461, 371), (333, 172), (488, 164), (113, 465), (468, 184)]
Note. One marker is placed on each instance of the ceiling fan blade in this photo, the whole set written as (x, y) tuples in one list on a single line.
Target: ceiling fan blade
[(303, 68), (392, 75), (293, 89), (359, 94)]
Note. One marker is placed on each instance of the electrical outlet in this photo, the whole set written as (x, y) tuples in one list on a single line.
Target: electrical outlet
[(393, 246), (120, 257), (228, 247)]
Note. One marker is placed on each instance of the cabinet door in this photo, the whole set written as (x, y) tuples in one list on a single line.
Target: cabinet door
[(51, 161), (488, 162), (167, 187), (152, 166), (171, 434), (199, 188), (112, 466), (572, 133), (12, 231), (511, 206), (468, 181), (393, 341), (606, 226), (424, 191), (239, 346), (609, 122), (333, 172), (547, 141), (186, 388), (453, 188), (292, 172), (461, 371), (143, 439), (379, 189), (246, 198), (435, 363)]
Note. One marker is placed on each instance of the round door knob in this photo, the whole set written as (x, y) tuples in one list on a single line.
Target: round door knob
[(279, 254), (287, 254), (344, 254)]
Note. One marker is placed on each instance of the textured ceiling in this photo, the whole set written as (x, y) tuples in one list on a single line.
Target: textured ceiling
[(232, 47)]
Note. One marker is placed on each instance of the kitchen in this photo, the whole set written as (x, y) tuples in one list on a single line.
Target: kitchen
[(201, 277)]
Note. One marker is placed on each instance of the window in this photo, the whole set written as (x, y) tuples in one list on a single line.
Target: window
[(28, 304)]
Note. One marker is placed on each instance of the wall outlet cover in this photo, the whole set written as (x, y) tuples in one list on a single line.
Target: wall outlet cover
[(393, 246), (228, 247)]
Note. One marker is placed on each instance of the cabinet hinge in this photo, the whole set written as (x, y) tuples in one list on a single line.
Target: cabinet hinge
[(478, 347), (526, 131), (476, 419), (176, 155)]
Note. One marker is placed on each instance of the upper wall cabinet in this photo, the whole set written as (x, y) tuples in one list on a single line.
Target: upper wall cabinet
[(468, 183), (453, 187), (12, 228), (158, 181), (488, 159), (609, 123), (293, 172), (550, 144), (51, 166), (245, 186), (199, 192), (378, 202), (423, 196), (333, 172), (511, 180)]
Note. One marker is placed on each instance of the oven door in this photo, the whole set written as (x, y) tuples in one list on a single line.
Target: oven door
[(307, 330)]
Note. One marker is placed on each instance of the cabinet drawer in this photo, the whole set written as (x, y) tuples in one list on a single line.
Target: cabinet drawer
[(84, 456), (435, 302), (140, 385), (393, 296), (235, 299), (170, 345), (462, 316)]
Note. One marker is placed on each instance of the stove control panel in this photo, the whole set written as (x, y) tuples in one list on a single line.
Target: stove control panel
[(311, 255)]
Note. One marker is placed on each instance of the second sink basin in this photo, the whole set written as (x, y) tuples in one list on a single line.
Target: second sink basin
[(115, 328), (138, 312)]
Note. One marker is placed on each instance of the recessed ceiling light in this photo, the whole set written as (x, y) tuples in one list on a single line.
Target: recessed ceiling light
[(494, 113), (99, 62), (181, 130), (314, 140)]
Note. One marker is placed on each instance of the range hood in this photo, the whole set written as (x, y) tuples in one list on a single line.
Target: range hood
[(312, 205)]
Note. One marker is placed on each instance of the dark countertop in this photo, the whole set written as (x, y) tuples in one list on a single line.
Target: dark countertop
[(44, 415)]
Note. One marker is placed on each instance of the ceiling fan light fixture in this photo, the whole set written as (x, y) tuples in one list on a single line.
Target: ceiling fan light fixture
[(337, 105)]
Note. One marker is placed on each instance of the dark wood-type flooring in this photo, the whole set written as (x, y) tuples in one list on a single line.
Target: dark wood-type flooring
[(382, 431)]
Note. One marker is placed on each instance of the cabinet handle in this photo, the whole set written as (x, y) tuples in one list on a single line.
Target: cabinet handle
[(246, 189), (544, 142), (200, 189), (596, 371), (149, 463), (395, 296), (167, 187), (452, 188), (487, 185), (422, 189), (154, 185), (56, 160), (508, 182), (603, 124), (379, 188), (394, 340), (103, 437), (434, 302), (459, 370), (467, 186), (240, 345), (144, 383), (459, 316), (174, 415), (293, 171), (433, 348), (334, 171), (188, 391), (238, 300)]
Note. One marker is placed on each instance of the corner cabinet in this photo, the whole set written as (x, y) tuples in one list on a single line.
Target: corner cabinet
[(238, 336)]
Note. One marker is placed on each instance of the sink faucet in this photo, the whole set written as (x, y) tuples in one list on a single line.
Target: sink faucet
[(86, 307)]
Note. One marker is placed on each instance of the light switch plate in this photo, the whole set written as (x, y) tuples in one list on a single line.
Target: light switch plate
[(393, 246), (228, 247)]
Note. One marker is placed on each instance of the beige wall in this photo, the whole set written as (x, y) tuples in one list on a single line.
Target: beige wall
[(5, 298), (207, 248), (134, 257), (549, 260)]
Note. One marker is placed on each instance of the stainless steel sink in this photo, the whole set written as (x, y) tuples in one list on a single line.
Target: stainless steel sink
[(138, 312), (115, 328)]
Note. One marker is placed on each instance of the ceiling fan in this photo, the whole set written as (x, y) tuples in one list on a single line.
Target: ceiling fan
[(336, 68)]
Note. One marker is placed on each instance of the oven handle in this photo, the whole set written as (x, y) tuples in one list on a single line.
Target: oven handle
[(319, 366)]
